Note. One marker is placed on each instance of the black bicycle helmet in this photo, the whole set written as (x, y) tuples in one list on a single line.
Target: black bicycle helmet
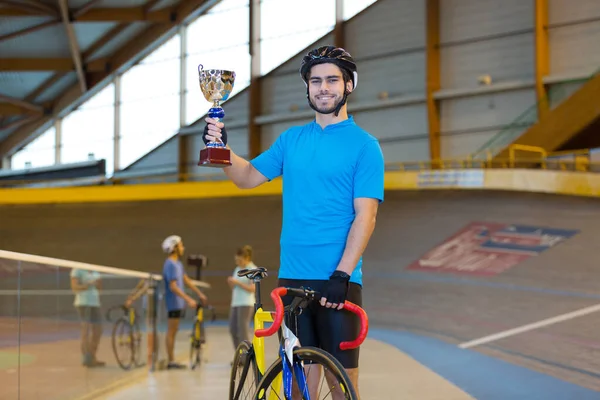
[(333, 55)]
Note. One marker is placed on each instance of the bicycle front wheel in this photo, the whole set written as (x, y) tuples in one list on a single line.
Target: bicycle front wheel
[(244, 373), (326, 377), (123, 343)]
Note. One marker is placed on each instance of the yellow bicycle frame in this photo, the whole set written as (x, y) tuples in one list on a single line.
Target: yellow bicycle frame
[(260, 318), (131, 316), (197, 330)]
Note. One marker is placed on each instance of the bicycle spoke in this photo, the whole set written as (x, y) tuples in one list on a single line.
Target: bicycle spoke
[(321, 388)]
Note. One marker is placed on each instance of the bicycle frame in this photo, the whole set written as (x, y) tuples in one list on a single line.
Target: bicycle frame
[(258, 343), (132, 313), (128, 312), (288, 340), (199, 318)]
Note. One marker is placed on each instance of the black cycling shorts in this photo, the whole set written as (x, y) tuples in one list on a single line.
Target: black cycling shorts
[(176, 314), (324, 327)]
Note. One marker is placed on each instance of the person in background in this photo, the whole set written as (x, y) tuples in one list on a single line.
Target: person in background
[(86, 286), (242, 297), (176, 299)]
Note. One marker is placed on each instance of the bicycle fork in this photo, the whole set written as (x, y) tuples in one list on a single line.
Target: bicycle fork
[(287, 356)]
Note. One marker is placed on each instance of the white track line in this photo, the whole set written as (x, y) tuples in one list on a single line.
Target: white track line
[(529, 327)]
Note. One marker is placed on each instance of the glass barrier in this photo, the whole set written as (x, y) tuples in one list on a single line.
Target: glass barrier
[(9, 328), (68, 332)]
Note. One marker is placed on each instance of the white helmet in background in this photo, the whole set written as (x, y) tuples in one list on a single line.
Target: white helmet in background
[(169, 244)]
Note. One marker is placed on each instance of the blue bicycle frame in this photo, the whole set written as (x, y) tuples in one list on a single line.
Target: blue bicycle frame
[(291, 367)]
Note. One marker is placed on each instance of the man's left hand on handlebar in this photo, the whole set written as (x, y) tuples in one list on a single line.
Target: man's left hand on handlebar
[(335, 291)]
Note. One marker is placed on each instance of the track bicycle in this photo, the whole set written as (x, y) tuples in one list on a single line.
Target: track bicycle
[(198, 337), (268, 384), (126, 337)]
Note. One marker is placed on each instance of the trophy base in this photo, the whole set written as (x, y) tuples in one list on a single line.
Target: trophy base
[(216, 157)]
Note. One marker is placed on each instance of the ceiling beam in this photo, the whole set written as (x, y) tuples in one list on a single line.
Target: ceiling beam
[(186, 9), (50, 64), (36, 64), (150, 5), (85, 8), (19, 122), (44, 86), (22, 104), (26, 8), (132, 14), (28, 30), (73, 45), (38, 4), (9, 109), (116, 14)]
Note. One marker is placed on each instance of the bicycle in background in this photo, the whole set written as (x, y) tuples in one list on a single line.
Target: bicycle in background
[(126, 337), (198, 336), (288, 373)]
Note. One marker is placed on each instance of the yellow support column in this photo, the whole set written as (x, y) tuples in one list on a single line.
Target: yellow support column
[(542, 58), (432, 84)]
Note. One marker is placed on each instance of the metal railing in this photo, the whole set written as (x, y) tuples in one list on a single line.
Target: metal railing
[(519, 157)]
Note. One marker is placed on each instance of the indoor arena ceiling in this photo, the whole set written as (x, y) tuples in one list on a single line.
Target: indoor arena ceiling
[(54, 54)]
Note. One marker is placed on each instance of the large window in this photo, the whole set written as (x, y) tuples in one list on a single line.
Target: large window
[(283, 36), (39, 153), (87, 133), (150, 102), (217, 40), (353, 7)]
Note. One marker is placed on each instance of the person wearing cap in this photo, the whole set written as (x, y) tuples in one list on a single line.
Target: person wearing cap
[(333, 183), (175, 298)]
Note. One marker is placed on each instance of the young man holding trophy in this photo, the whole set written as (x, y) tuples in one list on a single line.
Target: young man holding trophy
[(333, 173)]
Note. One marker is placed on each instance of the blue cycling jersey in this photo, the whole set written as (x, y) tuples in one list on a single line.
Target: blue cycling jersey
[(323, 171)]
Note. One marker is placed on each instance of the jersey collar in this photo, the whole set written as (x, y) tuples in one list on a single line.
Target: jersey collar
[(333, 127)]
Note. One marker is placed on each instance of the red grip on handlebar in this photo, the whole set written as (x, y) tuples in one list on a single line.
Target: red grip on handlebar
[(364, 326), (276, 295)]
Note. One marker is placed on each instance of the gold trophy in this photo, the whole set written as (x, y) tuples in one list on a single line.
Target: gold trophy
[(216, 85)]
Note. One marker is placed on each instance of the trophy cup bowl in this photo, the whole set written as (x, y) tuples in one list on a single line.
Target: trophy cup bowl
[(216, 86)]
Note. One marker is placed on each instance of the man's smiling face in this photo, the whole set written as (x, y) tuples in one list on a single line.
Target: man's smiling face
[(326, 87)]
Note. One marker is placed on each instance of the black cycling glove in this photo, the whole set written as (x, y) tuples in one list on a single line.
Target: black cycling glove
[(336, 289), (223, 137)]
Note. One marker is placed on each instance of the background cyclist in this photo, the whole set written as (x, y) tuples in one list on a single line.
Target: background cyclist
[(175, 298)]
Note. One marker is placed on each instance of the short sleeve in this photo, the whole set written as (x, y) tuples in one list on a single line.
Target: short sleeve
[(370, 171), (270, 162), (170, 272)]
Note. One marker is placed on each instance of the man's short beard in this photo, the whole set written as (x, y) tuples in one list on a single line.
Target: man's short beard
[(328, 110)]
